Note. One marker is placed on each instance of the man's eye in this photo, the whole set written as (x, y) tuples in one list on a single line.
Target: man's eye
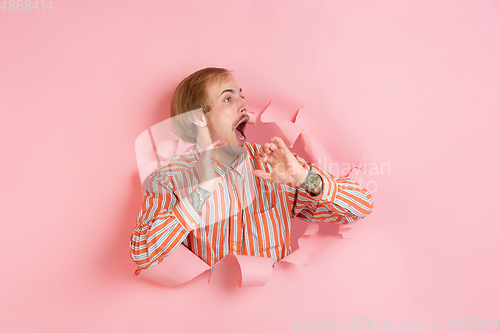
[(242, 97), (228, 99)]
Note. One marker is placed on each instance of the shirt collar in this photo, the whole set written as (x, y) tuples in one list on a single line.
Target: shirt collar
[(241, 164)]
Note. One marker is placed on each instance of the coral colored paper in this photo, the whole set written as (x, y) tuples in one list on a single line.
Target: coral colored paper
[(254, 271), (411, 83), (182, 265), (179, 267)]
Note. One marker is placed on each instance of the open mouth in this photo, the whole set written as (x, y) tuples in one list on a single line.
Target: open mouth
[(239, 131)]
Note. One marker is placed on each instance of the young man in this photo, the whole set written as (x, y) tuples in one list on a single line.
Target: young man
[(225, 195)]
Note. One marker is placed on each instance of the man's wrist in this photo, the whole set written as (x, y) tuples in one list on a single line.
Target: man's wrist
[(198, 197), (312, 183)]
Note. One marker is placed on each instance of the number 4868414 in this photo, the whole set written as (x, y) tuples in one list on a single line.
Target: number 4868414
[(26, 5)]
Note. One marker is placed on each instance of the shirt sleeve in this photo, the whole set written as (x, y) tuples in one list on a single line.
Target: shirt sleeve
[(163, 223), (342, 200)]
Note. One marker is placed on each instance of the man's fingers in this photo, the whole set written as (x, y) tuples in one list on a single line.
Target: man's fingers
[(265, 148), (210, 146), (214, 145), (261, 151), (268, 148), (261, 159), (262, 174), (206, 155), (279, 142)]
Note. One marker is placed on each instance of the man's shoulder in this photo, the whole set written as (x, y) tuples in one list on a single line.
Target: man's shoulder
[(176, 164), (252, 148)]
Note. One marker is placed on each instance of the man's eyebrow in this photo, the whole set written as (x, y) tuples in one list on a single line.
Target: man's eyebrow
[(229, 90)]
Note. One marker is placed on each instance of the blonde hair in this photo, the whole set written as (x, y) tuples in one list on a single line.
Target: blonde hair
[(190, 95)]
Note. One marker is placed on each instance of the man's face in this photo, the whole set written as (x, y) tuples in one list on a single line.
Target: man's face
[(228, 116)]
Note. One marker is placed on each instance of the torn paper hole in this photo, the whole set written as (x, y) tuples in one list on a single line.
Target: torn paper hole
[(158, 144), (182, 266)]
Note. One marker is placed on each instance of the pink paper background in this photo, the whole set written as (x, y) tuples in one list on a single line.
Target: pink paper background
[(415, 84)]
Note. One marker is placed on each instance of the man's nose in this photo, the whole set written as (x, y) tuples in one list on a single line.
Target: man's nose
[(243, 106)]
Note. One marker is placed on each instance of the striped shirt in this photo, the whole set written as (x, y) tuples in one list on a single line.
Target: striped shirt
[(245, 215)]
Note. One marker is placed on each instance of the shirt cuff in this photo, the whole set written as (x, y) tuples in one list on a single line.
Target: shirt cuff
[(186, 215)]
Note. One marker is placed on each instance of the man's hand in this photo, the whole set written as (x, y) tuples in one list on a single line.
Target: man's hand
[(207, 177), (286, 168)]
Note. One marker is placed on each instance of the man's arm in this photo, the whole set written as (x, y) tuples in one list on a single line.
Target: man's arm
[(163, 223), (198, 197), (330, 198), (316, 194)]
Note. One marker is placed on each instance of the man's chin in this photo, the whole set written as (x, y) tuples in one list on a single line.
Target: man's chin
[(238, 143), (233, 149)]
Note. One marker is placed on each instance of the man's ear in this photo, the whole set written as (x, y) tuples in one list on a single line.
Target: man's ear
[(200, 120)]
